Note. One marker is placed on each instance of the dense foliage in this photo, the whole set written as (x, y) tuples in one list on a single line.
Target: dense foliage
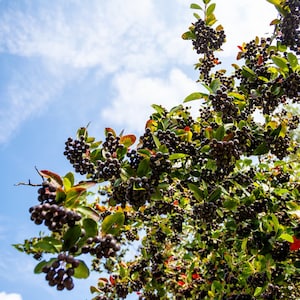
[(211, 202)]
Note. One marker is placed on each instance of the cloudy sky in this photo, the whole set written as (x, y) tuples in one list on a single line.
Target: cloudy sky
[(67, 63)]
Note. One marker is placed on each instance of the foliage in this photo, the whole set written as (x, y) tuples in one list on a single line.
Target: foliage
[(212, 201)]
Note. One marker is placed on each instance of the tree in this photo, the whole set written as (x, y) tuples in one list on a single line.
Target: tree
[(212, 201)]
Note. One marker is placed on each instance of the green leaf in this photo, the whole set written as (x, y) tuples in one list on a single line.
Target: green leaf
[(156, 141), (287, 237), (236, 95), (144, 167), (215, 84), (220, 132), (39, 267), (293, 60), (210, 20), (280, 62), (189, 35), (195, 6), (73, 196), (109, 130), (215, 194), (158, 109), (70, 177), (196, 191), (45, 247), (206, 1), (67, 183), (91, 227), (71, 236), (177, 156), (89, 212), (247, 72), (82, 271), (195, 96), (210, 9), (261, 149), (258, 291), (208, 88), (113, 223)]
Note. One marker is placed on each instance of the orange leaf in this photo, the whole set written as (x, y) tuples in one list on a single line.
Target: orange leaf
[(195, 276), (107, 130), (127, 140), (112, 280), (51, 175), (260, 60), (180, 282)]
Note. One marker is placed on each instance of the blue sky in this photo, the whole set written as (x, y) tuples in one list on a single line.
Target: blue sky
[(64, 64)]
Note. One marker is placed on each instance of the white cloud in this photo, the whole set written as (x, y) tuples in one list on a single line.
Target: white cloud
[(122, 39), (13, 296), (135, 94)]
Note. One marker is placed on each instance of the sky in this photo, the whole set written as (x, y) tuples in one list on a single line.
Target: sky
[(64, 64)]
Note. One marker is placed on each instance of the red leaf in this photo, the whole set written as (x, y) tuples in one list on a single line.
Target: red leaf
[(295, 245), (180, 282), (195, 276), (112, 280), (241, 48), (51, 175), (260, 60), (107, 130), (187, 128)]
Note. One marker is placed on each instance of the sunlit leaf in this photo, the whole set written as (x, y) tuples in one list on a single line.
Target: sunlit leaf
[(73, 196), (280, 62), (82, 271), (293, 60), (189, 35), (195, 96), (287, 237), (210, 9), (109, 130), (195, 6), (88, 212), (113, 223)]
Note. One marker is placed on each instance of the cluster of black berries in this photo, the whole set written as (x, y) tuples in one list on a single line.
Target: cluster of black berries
[(138, 191), (53, 216), (60, 272), (101, 246), (206, 211), (107, 169), (241, 296), (169, 139), (207, 39), (291, 85), (77, 152), (279, 146), (122, 290), (112, 143), (47, 193), (205, 65), (272, 292), (244, 213), (221, 102), (223, 152), (159, 163), (289, 26), (134, 158), (257, 279), (177, 220), (146, 140), (280, 251)]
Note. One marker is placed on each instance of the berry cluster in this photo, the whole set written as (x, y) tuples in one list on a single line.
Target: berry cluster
[(134, 158), (169, 139), (112, 143), (60, 272), (77, 152), (280, 251), (207, 39), (159, 163), (279, 146), (289, 26), (47, 193), (146, 140), (106, 246), (222, 103), (53, 216), (257, 279), (107, 169), (224, 152)]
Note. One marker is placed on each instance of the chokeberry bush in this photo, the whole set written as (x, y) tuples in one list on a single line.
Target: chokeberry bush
[(211, 202)]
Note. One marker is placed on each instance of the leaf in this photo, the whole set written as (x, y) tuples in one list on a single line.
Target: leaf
[(152, 124), (195, 96), (113, 223), (156, 141), (275, 2), (219, 28), (247, 72), (128, 140), (293, 60), (51, 175), (208, 88), (261, 149), (71, 236), (195, 6), (275, 22), (258, 291), (158, 109), (287, 237), (71, 178), (220, 132), (196, 191), (215, 84), (45, 247), (91, 227), (85, 185), (214, 195), (236, 95), (144, 167), (88, 212), (109, 130), (210, 9), (39, 267), (177, 156), (82, 271), (67, 183), (73, 196), (280, 62), (189, 35)]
